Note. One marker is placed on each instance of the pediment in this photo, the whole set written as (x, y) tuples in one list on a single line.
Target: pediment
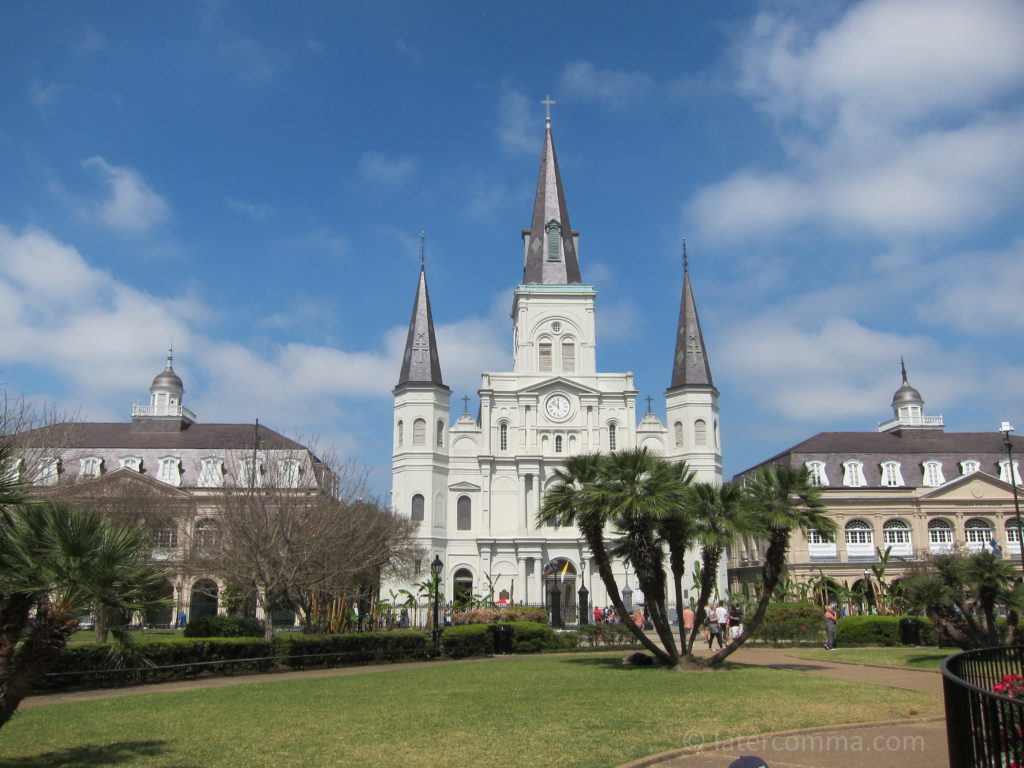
[(463, 486), (977, 485), (560, 382), (123, 482)]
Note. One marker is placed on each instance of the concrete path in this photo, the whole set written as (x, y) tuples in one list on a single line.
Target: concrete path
[(907, 744)]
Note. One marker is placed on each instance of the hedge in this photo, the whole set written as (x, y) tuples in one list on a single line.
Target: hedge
[(792, 624), (515, 613), (317, 650), (880, 630), (467, 640), (224, 626), (594, 635)]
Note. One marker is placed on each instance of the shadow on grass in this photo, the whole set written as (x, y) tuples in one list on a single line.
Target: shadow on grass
[(89, 755)]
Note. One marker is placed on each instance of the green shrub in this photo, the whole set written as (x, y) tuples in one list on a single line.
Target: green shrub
[(532, 637), (224, 626), (868, 630), (598, 635), (467, 640), (354, 648), (500, 615), (792, 624)]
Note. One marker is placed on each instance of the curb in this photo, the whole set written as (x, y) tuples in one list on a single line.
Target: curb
[(710, 746), (865, 664)]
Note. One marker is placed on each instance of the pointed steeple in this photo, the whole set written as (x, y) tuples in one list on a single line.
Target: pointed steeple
[(690, 365), (551, 249), (420, 363)]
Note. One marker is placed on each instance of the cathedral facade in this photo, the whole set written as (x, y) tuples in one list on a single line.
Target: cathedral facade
[(476, 486)]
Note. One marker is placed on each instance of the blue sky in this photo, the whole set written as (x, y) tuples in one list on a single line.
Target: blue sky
[(249, 181)]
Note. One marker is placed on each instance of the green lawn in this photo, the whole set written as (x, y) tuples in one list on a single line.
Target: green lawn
[(916, 658), (583, 710)]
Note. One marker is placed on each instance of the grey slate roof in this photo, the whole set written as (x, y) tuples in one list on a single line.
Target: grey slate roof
[(136, 436), (690, 365), (420, 363), (549, 205), (911, 449)]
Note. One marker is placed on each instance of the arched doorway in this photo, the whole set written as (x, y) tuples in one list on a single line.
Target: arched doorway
[(162, 616), (462, 587), (204, 599), (560, 578)]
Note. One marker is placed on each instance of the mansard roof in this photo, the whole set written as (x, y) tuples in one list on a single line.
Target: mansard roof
[(420, 362), (85, 435), (549, 208)]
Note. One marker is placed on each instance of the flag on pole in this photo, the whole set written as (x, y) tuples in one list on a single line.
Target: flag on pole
[(996, 547), (564, 571)]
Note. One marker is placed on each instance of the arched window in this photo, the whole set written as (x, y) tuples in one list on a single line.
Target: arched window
[(462, 586), (677, 428), (544, 364), (967, 466), (204, 600), (49, 471), (940, 536), (464, 514), (1004, 472), (165, 540), (820, 546), (611, 437), (853, 474), (503, 436), (211, 473), (419, 432), (440, 433), (251, 472), (288, 473), (978, 533), (169, 470), (401, 433), (568, 356), (933, 474), (896, 534), (91, 467), (206, 533), (1013, 536), (860, 540), (700, 432), (816, 470), (718, 443), (558, 443), (417, 508), (891, 475)]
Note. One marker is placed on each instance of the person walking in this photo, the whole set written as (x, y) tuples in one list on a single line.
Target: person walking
[(735, 621), (830, 627), (722, 617), (688, 619), (715, 629)]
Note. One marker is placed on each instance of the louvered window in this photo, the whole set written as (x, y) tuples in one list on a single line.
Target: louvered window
[(419, 432), (554, 242), (544, 352), (417, 507), (568, 357)]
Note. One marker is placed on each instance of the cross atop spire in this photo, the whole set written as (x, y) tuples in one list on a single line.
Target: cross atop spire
[(423, 248), (547, 102), (648, 399), (170, 356), (686, 258)]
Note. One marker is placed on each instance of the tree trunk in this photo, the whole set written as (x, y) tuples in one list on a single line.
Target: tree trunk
[(709, 568), (45, 641), (650, 572), (771, 573), (677, 565)]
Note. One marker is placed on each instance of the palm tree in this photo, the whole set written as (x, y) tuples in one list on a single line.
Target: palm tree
[(783, 499), (638, 489), (56, 563), (720, 517), (574, 499), (678, 530)]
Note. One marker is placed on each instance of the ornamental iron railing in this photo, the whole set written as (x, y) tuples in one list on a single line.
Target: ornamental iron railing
[(984, 717)]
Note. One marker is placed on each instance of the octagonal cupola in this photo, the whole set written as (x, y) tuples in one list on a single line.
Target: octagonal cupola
[(165, 395), (908, 407)]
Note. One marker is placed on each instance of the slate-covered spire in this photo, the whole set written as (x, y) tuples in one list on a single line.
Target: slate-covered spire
[(551, 250), (420, 363), (690, 366)]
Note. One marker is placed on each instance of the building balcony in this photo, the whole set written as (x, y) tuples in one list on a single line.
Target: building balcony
[(912, 421), (162, 411)]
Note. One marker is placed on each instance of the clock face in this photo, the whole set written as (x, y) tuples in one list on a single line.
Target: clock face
[(558, 406)]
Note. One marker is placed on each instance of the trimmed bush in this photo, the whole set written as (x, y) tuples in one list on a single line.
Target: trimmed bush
[(868, 630), (597, 635), (354, 648), (467, 640), (224, 626), (500, 615), (532, 637), (792, 624)]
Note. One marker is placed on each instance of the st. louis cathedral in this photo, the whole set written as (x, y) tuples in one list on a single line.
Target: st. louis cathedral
[(476, 486)]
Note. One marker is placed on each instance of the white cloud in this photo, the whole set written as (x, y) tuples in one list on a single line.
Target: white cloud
[(258, 211), (45, 95), (890, 119), (610, 87), (131, 206), (378, 169), (92, 40), (516, 122), (247, 59)]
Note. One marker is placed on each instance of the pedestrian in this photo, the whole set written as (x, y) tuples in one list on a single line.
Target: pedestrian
[(722, 617), (688, 618), (182, 621), (715, 629), (638, 618), (735, 620), (598, 615), (830, 627)]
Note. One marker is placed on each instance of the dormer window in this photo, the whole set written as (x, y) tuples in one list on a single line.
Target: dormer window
[(169, 470), (933, 474), (91, 467), (853, 474), (288, 473), (250, 472), (49, 471), (969, 466), (1004, 472), (554, 235), (133, 463), (816, 470), (891, 475), (211, 473)]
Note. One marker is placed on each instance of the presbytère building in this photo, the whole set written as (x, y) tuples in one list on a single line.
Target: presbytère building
[(173, 471), (909, 486)]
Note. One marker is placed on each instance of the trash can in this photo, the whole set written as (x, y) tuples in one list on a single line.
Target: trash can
[(502, 638), (910, 631)]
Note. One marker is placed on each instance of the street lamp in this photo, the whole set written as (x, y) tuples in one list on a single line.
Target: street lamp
[(870, 591), (435, 569), (583, 593), (1006, 428)]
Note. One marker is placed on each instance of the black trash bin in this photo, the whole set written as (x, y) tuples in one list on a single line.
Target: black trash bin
[(910, 631), (502, 638)]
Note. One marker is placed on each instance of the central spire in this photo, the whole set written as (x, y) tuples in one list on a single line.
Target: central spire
[(690, 365), (420, 363), (551, 246)]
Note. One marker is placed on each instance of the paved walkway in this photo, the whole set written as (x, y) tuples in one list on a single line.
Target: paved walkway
[(908, 744)]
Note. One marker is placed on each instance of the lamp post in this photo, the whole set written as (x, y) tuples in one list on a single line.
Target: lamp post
[(1006, 428), (627, 593), (435, 569), (869, 593), (583, 593)]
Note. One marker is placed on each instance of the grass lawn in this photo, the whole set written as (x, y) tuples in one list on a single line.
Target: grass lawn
[(916, 658), (584, 710)]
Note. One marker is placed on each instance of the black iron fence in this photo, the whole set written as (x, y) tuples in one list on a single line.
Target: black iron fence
[(984, 692)]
